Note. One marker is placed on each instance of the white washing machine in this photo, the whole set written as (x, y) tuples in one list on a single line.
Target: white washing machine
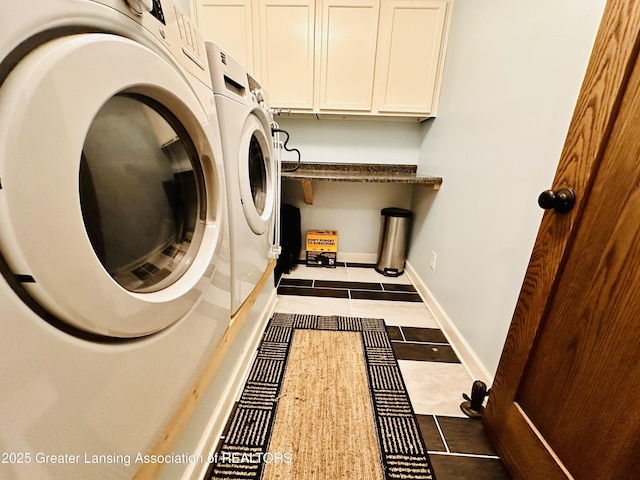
[(114, 249), (250, 171)]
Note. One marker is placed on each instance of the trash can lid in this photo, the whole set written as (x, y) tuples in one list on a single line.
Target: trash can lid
[(396, 212)]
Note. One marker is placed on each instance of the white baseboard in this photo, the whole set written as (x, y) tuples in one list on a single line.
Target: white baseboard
[(354, 257), (465, 353), (351, 257)]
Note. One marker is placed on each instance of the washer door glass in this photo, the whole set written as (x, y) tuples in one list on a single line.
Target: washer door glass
[(257, 175), (256, 172), (139, 193)]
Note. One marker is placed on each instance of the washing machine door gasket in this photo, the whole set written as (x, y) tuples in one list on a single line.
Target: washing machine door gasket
[(141, 193), (109, 198), (257, 172)]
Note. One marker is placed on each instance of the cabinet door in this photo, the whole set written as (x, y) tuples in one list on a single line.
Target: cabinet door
[(410, 52), (287, 52), (229, 24), (349, 32)]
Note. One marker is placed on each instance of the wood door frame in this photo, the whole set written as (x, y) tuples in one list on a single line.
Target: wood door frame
[(614, 55)]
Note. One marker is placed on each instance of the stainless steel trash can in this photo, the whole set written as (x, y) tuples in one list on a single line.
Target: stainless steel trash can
[(393, 241)]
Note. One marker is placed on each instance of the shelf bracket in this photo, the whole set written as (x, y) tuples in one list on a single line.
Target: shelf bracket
[(307, 189)]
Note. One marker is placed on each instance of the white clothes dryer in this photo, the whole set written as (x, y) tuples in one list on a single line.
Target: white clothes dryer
[(250, 170), (114, 248)]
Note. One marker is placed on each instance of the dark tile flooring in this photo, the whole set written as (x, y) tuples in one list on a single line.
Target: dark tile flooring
[(459, 449), (353, 290), (458, 446), (421, 344)]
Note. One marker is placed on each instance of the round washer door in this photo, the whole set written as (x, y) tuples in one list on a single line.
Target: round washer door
[(109, 199), (256, 172)]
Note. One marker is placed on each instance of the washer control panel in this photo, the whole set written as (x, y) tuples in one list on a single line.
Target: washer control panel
[(171, 26), (140, 6), (157, 12)]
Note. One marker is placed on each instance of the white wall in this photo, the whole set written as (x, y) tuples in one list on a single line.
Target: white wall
[(512, 75), (353, 141), (353, 209)]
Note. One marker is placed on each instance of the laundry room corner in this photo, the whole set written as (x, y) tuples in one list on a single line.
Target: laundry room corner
[(502, 122)]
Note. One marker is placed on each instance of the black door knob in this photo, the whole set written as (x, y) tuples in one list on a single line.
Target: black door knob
[(561, 200)]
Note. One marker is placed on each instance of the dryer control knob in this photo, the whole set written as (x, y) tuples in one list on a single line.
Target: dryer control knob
[(259, 95), (140, 6)]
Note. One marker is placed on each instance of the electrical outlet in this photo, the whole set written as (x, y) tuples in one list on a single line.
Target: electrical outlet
[(432, 263)]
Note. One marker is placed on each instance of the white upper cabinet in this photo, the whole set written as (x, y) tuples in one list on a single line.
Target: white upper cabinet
[(229, 23), (410, 54), (344, 57), (287, 52), (347, 54)]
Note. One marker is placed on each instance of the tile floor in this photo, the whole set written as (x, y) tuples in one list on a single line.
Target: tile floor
[(434, 377)]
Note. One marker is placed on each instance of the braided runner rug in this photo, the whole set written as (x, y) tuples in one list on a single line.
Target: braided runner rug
[(324, 400)]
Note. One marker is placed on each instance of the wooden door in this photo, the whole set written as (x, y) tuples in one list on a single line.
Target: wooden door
[(564, 400)]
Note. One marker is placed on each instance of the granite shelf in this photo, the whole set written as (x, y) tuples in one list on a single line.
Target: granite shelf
[(355, 172)]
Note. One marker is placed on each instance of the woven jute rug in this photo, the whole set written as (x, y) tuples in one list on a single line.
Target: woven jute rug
[(324, 400)]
